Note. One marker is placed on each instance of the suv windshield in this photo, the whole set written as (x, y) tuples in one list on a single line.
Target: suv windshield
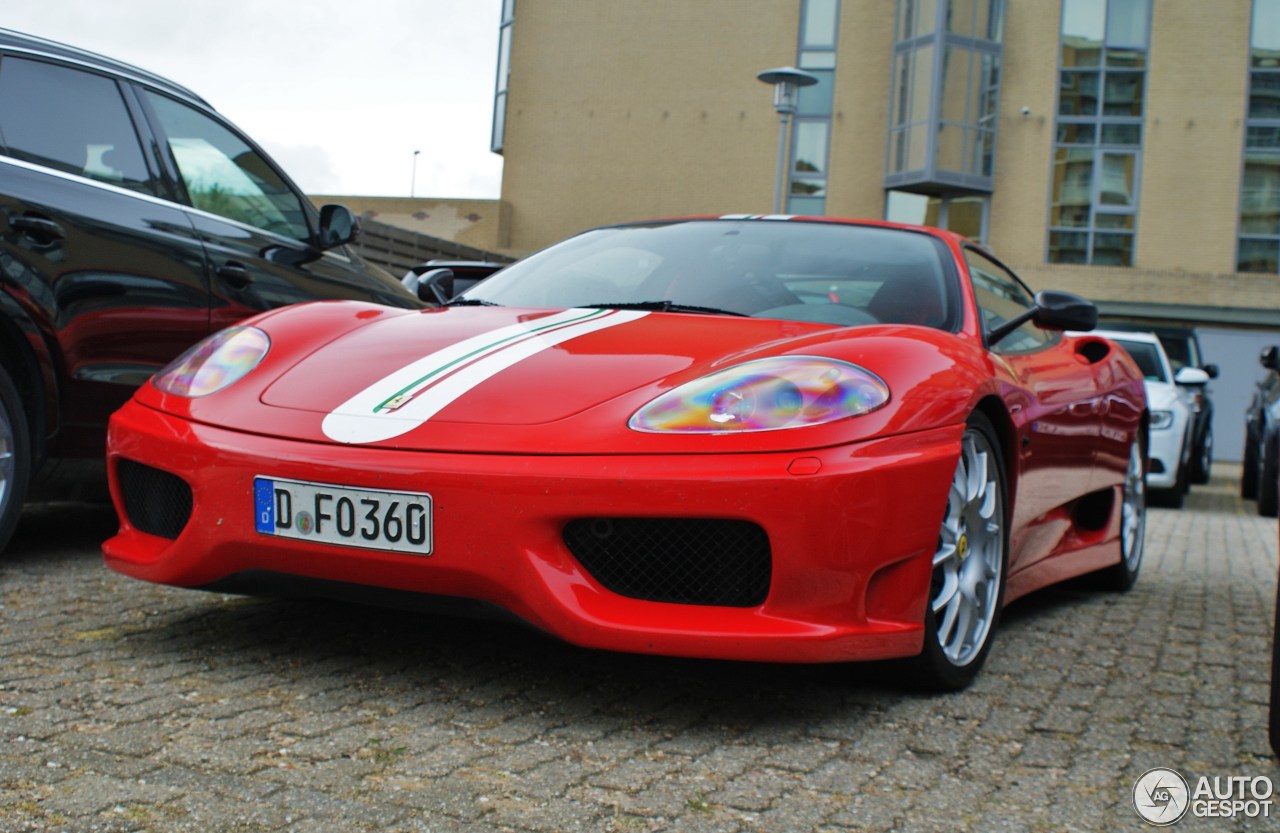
[(1147, 358), (822, 272)]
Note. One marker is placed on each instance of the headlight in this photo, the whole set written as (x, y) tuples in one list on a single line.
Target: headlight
[(220, 360), (765, 395), (1161, 419)]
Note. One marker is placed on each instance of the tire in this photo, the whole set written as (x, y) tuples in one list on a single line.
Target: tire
[(1203, 460), (15, 457), (1249, 468), (1268, 472), (1133, 523), (961, 616)]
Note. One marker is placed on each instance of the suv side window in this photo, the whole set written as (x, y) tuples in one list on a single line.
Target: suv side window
[(1001, 296), (72, 121), (225, 176)]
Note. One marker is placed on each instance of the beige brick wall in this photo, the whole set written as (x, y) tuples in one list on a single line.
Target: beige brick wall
[(1024, 144), (1196, 95), (861, 121), (627, 109), (1159, 286)]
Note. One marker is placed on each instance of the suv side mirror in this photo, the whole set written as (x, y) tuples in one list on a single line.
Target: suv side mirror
[(1053, 310), (434, 286), (1270, 357), (338, 227), (1191, 376)]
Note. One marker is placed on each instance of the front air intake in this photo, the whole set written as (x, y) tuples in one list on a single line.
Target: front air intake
[(699, 561), (156, 502)]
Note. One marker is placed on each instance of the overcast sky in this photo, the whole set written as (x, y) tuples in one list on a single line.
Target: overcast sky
[(340, 93)]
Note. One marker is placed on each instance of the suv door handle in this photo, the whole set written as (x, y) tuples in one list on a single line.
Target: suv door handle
[(39, 229), (235, 274)]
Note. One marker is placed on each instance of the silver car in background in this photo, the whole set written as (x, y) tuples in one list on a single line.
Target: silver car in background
[(1169, 451)]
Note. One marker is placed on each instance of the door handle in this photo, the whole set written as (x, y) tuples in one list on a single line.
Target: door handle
[(235, 274), (38, 229)]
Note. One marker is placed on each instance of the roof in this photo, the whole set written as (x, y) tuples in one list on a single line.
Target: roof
[(19, 42)]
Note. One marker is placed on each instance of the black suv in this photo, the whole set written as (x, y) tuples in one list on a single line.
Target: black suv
[(134, 220), (1260, 478)]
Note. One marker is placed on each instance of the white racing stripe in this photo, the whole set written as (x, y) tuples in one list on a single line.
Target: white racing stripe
[(404, 400)]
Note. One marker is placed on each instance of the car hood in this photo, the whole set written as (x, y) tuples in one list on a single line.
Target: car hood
[(1162, 396), (500, 379)]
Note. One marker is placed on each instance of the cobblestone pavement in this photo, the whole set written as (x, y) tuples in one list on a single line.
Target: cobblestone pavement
[(130, 707)]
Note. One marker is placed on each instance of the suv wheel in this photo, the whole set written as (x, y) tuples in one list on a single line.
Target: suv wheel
[(15, 457), (1268, 474), (1203, 459)]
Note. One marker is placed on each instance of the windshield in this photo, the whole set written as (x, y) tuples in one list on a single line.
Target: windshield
[(1147, 358), (821, 272)]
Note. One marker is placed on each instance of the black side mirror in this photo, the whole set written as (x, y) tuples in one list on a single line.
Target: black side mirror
[(1053, 311), (1270, 357), (338, 226), (434, 286)]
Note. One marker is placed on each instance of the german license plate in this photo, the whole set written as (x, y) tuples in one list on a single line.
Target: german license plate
[(342, 515)]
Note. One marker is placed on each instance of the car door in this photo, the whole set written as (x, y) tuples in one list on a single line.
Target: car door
[(110, 271), (259, 231), (1056, 402)]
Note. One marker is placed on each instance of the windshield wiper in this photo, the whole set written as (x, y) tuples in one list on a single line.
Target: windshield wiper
[(666, 306), (469, 302)]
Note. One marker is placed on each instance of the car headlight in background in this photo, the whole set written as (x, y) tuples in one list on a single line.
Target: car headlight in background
[(765, 395), (211, 365), (1161, 420)]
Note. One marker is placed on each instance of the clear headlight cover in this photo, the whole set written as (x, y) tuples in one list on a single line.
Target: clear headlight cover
[(211, 365), (765, 395), (1161, 419)]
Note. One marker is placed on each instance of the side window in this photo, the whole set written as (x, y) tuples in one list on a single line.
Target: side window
[(225, 176), (1001, 296), (70, 120)]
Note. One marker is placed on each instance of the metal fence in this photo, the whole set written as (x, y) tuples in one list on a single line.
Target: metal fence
[(396, 249)]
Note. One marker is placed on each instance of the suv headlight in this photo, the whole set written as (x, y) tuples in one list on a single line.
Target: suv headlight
[(1161, 420)]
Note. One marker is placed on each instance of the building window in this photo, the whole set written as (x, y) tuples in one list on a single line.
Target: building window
[(811, 125), (945, 80), (1259, 244), (497, 138), (1098, 135), (964, 214)]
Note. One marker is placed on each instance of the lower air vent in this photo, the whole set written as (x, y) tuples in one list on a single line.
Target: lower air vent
[(682, 560), (157, 503)]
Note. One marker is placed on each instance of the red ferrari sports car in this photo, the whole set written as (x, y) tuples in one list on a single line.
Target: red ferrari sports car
[(757, 438)]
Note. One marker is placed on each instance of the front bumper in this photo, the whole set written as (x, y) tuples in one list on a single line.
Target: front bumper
[(1166, 455), (850, 531)]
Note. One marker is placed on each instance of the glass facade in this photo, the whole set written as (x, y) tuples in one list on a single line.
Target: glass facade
[(944, 95), (963, 214), (497, 137), (811, 125), (1098, 132), (1258, 249)]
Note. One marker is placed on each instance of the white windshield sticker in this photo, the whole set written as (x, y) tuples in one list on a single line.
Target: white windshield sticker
[(404, 400)]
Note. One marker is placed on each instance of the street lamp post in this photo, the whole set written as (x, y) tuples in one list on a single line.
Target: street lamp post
[(413, 183), (786, 82)]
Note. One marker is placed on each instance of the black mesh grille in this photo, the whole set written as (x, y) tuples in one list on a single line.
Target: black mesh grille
[(158, 503), (683, 560)]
